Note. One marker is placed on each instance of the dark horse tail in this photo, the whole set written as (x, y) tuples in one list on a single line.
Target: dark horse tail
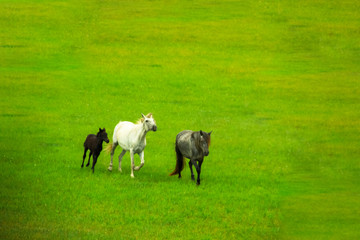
[(180, 161)]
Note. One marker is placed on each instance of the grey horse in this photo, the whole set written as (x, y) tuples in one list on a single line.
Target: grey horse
[(194, 146)]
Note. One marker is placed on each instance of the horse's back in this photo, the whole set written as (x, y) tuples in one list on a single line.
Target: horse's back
[(125, 135), (183, 135), (90, 141), (183, 143), (122, 128)]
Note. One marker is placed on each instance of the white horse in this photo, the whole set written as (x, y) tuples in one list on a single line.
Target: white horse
[(131, 137)]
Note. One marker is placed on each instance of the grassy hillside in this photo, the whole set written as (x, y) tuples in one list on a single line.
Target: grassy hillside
[(278, 83)]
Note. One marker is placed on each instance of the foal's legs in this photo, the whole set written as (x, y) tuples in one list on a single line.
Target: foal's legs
[(89, 158), (84, 156), (94, 162), (120, 158), (114, 145), (141, 155)]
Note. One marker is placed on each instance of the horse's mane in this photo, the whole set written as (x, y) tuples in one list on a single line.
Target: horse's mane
[(100, 131), (197, 138), (141, 120), (207, 139)]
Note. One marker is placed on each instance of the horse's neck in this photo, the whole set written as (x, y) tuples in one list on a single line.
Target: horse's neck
[(99, 143), (140, 131)]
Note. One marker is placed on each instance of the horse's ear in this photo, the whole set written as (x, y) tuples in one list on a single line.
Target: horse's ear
[(210, 133), (100, 130), (201, 132), (143, 115)]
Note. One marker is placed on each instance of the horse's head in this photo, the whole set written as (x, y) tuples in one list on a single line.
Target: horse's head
[(149, 122), (204, 142), (102, 135)]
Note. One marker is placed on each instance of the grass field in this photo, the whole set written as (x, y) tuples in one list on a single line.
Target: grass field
[(276, 82)]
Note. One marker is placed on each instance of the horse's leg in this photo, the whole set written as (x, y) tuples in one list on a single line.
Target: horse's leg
[(141, 155), (94, 161), (120, 158), (114, 145), (91, 153), (193, 161), (192, 173), (84, 156), (132, 163), (198, 178)]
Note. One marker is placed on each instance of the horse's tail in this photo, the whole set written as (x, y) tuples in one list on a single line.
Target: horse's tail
[(180, 161), (108, 147)]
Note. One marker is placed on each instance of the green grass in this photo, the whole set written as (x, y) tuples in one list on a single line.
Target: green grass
[(277, 82)]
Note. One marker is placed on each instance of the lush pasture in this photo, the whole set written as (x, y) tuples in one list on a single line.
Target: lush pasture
[(277, 82)]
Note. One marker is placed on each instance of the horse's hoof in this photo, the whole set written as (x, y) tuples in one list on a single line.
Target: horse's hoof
[(87, 165), (198, 183), (132, 176), (82, 166), (192, 178), (120, 170), (109, 169)]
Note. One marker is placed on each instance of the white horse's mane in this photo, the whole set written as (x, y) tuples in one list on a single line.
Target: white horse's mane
[(141, 120)]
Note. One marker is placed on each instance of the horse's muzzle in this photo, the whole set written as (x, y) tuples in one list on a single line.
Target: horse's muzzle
[(107, 140), (154, 128), (206, 153)]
